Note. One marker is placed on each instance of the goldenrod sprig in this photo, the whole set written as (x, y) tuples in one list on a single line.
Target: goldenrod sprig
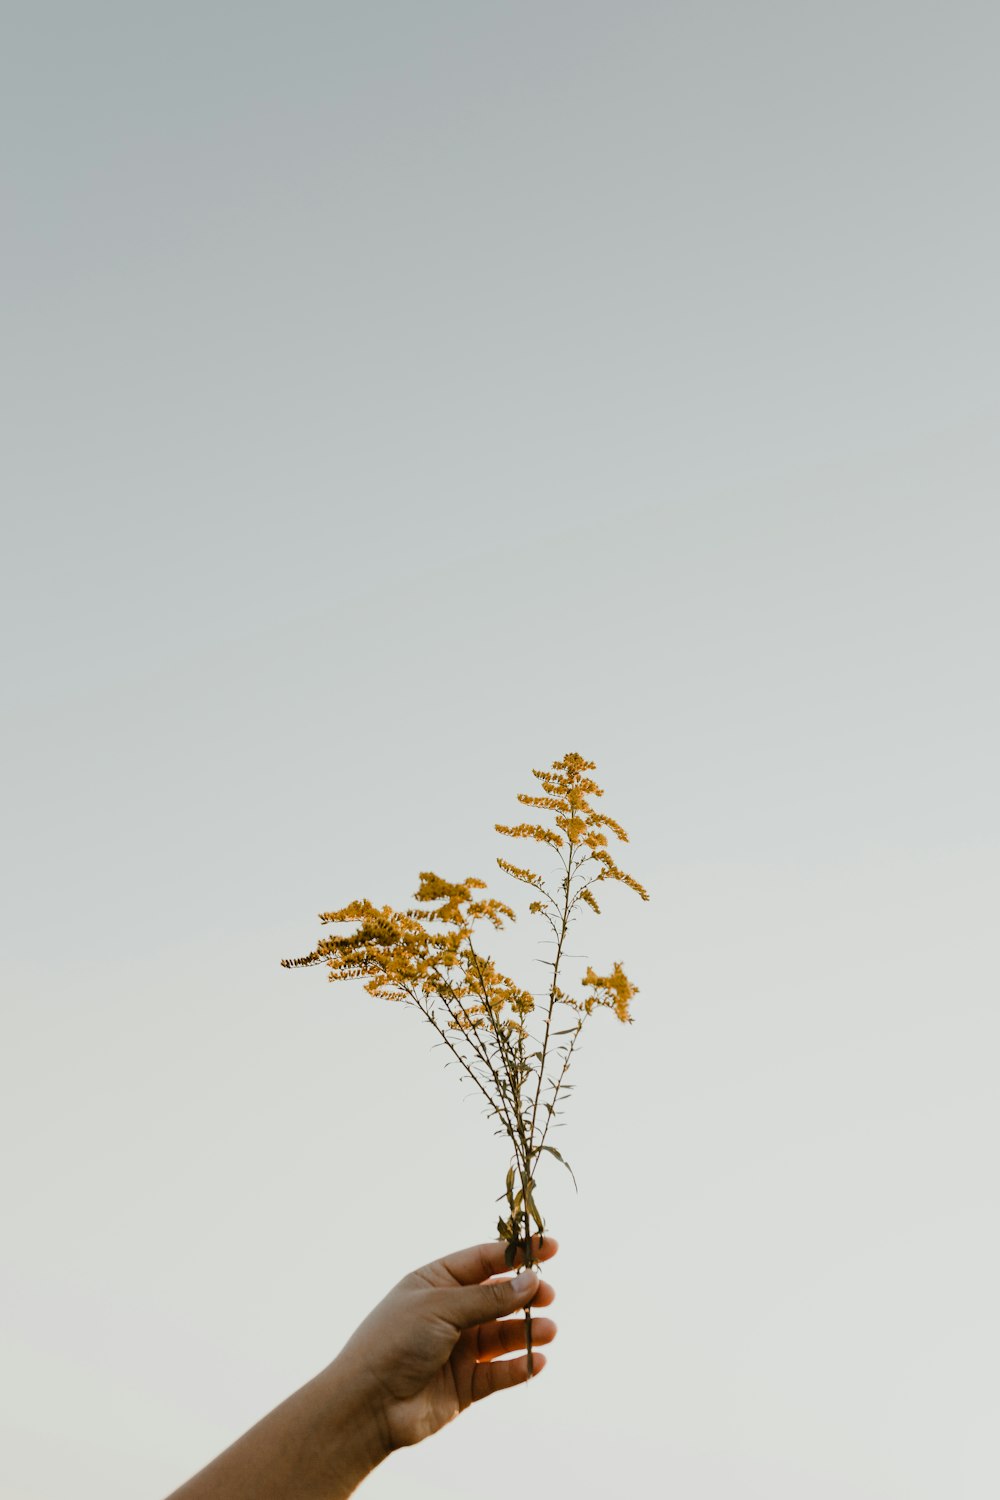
[(479, 1013)]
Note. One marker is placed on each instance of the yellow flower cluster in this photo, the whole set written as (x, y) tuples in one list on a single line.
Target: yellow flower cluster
[(612, 989), (531, 831), (567, 792), (528, 876)]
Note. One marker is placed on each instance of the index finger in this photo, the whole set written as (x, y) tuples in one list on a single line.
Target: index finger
[(479, 1262)]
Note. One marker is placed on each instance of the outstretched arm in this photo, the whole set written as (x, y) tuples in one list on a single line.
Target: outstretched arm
[(421, 1356)]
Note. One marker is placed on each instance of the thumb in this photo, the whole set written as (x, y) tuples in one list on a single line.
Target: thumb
[(467, 1306)]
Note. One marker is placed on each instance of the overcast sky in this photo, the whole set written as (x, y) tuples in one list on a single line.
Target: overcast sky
[(397, 397)]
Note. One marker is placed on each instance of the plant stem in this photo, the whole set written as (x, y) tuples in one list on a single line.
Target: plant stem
[(528, 1261), (552, 991)]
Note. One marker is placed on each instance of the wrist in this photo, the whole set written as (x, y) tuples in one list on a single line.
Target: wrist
[(344, 1413), (319, 1444)]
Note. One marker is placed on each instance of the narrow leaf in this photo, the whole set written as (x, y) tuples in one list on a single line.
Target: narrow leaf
[(565, 1163)]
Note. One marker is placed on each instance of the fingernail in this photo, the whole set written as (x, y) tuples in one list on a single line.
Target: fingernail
[(523, 1279)]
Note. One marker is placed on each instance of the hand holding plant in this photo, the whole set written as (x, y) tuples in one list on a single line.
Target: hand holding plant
[(430, 1348), (482, 1016)]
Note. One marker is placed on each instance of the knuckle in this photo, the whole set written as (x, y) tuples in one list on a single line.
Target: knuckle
[(501, 1295)]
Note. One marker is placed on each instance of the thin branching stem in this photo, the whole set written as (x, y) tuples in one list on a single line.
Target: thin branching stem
[(483, 1055), (568, 865)]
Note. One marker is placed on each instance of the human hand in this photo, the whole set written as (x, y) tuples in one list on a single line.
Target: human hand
[(430, 1347)]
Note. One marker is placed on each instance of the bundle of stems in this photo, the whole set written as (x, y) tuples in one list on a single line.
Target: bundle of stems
[(480, 1014)]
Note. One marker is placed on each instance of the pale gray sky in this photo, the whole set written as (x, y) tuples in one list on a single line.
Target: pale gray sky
[(396, 397)]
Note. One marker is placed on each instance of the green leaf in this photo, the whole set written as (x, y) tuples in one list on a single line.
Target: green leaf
[(510, 1253), (503, 1229)]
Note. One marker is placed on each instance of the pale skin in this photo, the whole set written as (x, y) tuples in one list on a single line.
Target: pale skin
[(427, 1351)]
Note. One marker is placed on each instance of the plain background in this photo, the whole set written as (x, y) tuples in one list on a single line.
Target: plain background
[(396, 397)]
